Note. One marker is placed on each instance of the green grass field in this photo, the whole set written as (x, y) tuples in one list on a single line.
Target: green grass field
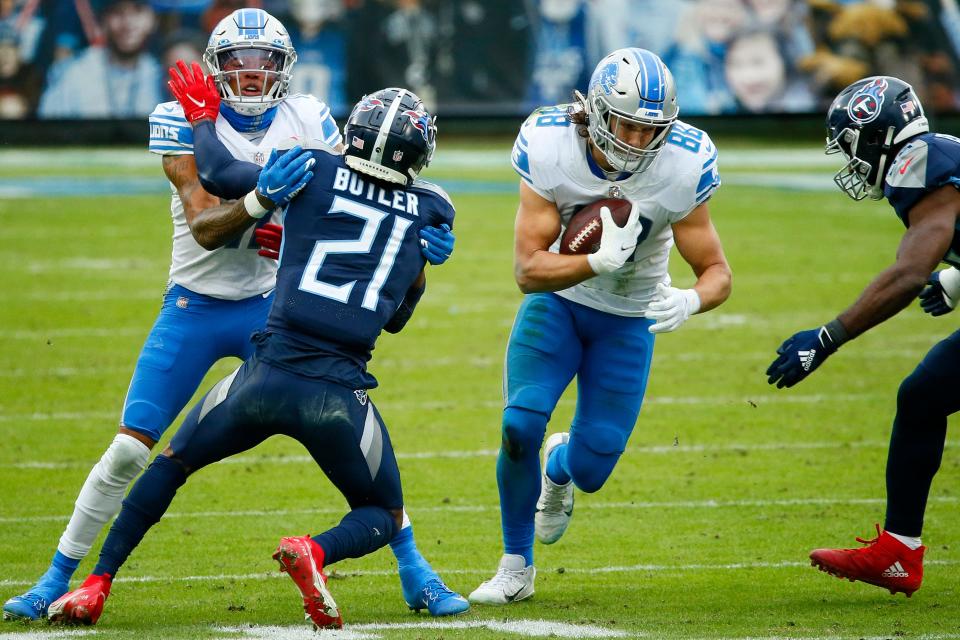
[(703, 530)]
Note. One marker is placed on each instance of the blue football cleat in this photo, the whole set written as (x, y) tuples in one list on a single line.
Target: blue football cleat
[(423, 589), (33, 604), (26, 607)]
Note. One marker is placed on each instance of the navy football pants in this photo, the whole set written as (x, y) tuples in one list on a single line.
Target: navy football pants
[(925, 398)]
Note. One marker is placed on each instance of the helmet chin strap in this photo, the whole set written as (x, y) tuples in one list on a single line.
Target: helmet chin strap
[(247, 124)]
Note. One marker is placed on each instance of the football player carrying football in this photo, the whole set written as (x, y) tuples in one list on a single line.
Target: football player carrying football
[(219, 290), (351, 266), (878, 125), (594, 316)]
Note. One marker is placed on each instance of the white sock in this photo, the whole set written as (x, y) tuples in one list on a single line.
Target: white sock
[(102, 494), (912, 543)]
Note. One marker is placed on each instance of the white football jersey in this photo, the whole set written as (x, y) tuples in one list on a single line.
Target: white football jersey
[(555, 162), (235, 271)]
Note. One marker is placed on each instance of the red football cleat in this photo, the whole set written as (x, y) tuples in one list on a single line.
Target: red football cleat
[(83, 605), (885, 562), (302, 558)]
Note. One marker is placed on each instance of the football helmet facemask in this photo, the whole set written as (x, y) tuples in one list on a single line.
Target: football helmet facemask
[(630, 85), (390, 135), (251, 57), (868, 123)]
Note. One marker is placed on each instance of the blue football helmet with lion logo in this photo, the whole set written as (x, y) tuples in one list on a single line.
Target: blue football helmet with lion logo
[(869, 122), (630, 85), (251, 57)]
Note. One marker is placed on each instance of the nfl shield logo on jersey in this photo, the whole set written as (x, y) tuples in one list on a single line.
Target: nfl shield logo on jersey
[(259, 159)]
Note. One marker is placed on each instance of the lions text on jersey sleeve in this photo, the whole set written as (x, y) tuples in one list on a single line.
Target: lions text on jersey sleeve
[(234, 271), (555, 161), (350, 254), (925, 164)]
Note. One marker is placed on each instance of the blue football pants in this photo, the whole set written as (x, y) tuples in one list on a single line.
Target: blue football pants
[(553, 340), (190, 334)]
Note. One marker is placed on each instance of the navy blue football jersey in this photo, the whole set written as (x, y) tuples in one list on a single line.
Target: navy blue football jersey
[(350, 252), (928, 162)]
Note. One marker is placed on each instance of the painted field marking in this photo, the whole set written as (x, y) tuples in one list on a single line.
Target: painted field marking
[(359, 573), (480, 508), (487, 453), (368, 631)]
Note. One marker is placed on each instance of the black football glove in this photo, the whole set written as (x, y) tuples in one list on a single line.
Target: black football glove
[(800, 355), (936, 299)]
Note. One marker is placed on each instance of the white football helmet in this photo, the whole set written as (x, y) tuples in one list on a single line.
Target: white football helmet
[(634, 85), (245, 41)]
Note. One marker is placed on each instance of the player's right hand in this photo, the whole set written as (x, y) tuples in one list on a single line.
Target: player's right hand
[(269, 237), (283, 176), (617, 244), (436, 243), (197, 94), (942, 292)]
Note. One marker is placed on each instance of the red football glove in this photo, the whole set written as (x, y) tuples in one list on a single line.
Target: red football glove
[(196, 94), (269, 237)]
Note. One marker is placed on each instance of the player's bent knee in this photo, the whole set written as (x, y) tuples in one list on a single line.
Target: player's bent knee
[(123, 461), (522, 431), (590, 478), (918, 393)]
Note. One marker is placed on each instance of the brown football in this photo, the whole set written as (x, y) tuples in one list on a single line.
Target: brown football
[(582, 234)]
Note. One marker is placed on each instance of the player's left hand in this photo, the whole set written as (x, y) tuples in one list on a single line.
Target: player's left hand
[(672, 308), (942, 292), (436, 243), (283, 176), (196, 94), (799, 356), (269, 237)]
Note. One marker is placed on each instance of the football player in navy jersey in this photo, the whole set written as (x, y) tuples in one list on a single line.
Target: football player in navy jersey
[(878, 125), (350, 266)]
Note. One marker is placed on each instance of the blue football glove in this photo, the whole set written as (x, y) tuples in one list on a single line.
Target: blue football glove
[(799, 356), (940, 296), (436, 243), (283, 176)]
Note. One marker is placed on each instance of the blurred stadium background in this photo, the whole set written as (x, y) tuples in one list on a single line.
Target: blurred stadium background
[(704, 528)]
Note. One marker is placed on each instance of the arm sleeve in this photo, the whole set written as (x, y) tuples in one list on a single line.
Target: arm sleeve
[(220, 173), (405, 310)]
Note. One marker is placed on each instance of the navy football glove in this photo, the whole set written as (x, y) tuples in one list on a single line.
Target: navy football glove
[(284, 176), (940, 296), (799, 356), (436, 243)]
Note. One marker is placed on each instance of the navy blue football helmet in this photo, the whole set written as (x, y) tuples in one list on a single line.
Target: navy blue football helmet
[(390, 135), (869, 122)]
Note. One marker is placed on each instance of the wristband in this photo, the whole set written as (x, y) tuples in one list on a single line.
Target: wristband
[(252, 204), (837, 332)]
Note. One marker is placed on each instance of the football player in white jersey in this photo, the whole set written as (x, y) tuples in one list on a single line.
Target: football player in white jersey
[(594, 316), (220, 289)]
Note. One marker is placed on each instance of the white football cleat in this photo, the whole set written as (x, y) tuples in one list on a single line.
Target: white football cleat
[(513, 582), (555, 505)]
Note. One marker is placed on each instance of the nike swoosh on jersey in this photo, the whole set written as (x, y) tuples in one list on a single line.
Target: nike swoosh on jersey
[(906, 164)]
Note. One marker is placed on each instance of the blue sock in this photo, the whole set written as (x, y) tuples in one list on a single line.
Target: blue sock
[(62, 567), (143, 508), (556, 465), (362, 531), (405, 549)]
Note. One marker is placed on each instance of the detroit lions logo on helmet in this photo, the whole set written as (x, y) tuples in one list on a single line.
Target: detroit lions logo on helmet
[(606, 77), (420, 120), (865, 104)]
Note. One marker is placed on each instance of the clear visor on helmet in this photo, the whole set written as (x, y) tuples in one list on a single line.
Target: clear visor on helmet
[(629, 143), (852, 177), (250, 73)]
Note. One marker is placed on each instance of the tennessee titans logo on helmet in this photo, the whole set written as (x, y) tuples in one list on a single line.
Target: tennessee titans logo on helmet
[(420, 120), (865, 104), (368, 104), (606, 77)]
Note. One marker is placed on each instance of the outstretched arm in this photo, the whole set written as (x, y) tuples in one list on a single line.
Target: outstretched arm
[(699, 244), (209, 221), (220, 173), (932, 222)]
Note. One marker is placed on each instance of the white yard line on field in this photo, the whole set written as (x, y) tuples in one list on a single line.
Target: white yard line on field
[(480, 508), (633, 568), (529, 628), (486, 453)]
